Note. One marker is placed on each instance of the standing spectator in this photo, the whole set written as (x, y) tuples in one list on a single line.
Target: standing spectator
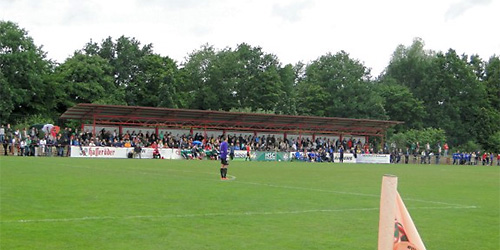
[(60, 143), (67, 141), (27, 146), (341, 151), (5, 143), (13, 141), (248, 153), (34, 145), (138, 149), (446, 149), (24, 134), (423, 157), (407, 155), (498, 159), (428, 152), (231, 152), (2, 133), (22, 145), (43, 143), (438, 154)]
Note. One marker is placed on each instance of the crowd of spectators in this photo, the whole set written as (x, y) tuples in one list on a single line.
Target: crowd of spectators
[(475, 158), (27, 139), (33, 141)]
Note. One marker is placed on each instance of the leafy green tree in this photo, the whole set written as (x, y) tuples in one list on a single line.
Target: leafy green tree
[(7, 102), (338, 86), (196, 74), (312, 100), (140, 77), (154, 84), (453, 96), (457, 92), (86, 79), (23, 68), (401, 105), (492, 80), (287, 101), (240, 78), (258, 78), (495, 142), (408, 65)]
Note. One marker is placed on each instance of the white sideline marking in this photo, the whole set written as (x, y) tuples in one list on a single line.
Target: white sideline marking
[(247, 213), (232, 178)]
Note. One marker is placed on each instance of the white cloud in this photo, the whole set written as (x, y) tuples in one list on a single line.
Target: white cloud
[(298, 30), (291, 11), (458, 8)]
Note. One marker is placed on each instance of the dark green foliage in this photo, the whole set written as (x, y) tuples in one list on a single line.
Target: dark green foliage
[(401, 105), (457, 94), (422, 136), (338, 86), (23, 67)]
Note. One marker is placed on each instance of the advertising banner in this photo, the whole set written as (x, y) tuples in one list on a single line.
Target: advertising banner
[(299, 156), (348, 158), (240, 155), (266, 156), (113, 152), (272, 156), (373, 158)]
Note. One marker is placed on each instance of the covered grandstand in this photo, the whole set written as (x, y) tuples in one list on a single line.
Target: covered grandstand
[(169, 118)]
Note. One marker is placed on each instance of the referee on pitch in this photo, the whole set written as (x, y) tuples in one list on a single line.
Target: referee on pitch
[(223, 159)]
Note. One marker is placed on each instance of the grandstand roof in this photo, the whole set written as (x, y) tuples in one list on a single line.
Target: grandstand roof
[(221, 120)]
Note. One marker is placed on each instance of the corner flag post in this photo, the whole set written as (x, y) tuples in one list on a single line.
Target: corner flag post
[(387, 212), (396, 228)]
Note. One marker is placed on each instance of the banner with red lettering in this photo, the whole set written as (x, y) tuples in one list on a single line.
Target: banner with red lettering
[(114, 152)]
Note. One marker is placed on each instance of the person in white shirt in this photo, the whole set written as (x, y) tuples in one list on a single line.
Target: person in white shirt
[(43, 142), (22, 145)]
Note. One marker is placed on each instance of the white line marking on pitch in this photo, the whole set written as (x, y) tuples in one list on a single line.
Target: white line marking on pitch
[(351, 193), (232, 178), (247, 213)]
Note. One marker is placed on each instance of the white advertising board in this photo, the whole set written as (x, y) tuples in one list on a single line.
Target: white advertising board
[(112, 152), (373, 158), (348, 158)]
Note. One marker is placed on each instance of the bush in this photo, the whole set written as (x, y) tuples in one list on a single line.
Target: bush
[(470, 146), (428, 135), (28, 121)]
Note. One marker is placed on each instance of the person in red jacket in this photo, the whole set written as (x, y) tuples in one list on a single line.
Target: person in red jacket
[(248, 153)]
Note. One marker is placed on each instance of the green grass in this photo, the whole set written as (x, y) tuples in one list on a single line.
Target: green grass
[(64, 203)]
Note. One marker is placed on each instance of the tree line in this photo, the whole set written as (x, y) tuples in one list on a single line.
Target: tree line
[(428, 90)]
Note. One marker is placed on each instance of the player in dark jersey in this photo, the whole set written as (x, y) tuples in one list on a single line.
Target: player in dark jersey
[(223, 158)]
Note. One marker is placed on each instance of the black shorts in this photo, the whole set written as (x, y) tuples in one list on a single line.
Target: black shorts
[(223, 161)]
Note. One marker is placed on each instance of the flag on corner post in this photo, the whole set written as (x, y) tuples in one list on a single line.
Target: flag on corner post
[(396, 228)]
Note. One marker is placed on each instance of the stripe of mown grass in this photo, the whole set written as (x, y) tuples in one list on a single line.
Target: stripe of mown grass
[(135, 204)]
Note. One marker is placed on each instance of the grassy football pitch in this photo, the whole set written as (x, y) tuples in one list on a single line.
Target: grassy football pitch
[(65, 203)]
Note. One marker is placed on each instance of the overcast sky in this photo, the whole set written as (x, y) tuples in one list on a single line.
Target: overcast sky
[(301, 30)]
